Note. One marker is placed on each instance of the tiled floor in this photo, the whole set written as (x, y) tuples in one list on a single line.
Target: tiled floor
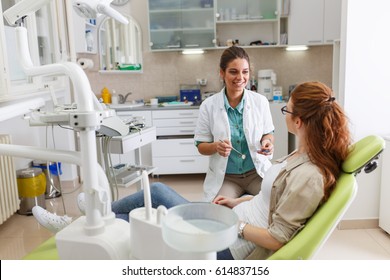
[(21, 234)]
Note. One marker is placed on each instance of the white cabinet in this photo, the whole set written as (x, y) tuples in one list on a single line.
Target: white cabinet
[(384, 210), (174, 151), (281, 132), (332, 21), (313, 22)]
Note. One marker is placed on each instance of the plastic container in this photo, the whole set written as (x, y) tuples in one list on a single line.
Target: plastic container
[(31, 189), (106, 96), (130, 67), (89, 40), (52, 171)]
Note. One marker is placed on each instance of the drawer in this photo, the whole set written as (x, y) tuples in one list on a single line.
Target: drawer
[(174, 122), (130, 142), (128, 115), (174, 147), (169, 114), (180, 165), (167, 131)]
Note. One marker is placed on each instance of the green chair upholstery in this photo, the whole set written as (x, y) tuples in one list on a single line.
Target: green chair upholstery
[(317, 230), (46, 251), (309, 240)]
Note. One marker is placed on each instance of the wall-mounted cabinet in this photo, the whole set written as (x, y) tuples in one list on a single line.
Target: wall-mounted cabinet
[(86, 34), (247, 21), (314, 22), (180, 24)]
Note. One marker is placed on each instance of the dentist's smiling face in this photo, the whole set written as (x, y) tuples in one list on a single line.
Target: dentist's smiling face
[(236, 75)]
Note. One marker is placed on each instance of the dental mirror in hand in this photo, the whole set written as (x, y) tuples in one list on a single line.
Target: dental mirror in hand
[(240, 154)]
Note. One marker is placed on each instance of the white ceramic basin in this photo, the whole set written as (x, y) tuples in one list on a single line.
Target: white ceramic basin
[(200, 227), (127, 105)]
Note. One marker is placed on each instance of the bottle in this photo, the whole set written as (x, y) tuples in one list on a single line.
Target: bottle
[(89, 40), (277, 94), (114, 97), (106, 96)]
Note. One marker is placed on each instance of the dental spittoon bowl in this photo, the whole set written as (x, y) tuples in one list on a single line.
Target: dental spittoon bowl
[(200, 227)]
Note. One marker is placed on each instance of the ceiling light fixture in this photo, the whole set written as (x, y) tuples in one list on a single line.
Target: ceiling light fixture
[(297, 48), (193, 51)]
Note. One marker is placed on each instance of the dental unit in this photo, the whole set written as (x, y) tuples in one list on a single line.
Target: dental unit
[(152, 233)]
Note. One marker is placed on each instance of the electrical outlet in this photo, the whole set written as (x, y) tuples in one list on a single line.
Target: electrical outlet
[(201, 82)]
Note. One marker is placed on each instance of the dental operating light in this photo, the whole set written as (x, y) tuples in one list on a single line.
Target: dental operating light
[(84, 8), (91, 9)]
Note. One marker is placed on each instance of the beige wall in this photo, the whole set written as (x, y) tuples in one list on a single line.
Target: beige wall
[(165, 71)]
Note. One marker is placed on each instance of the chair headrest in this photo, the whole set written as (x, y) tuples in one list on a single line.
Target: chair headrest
[(362, 153)]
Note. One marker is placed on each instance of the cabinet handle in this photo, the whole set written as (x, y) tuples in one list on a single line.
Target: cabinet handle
[(186, 143), (187, 160), (315, 41), (189, 131), (186, 122), (173, 46), (192, 45), (186, 114)]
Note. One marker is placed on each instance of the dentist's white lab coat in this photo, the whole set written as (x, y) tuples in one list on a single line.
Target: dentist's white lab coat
[(213, 125)]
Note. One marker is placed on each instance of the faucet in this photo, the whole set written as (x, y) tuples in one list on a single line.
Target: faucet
[(122, 99)]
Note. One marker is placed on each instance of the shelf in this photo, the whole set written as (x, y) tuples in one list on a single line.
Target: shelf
[(186, 10), (245, 21), (193, 30), (104, 72)]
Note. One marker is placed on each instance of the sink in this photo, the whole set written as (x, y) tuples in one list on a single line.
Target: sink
[(199, 227), (127, 105)]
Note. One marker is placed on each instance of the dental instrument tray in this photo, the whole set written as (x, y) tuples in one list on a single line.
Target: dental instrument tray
[(177, 103), (126, 173)]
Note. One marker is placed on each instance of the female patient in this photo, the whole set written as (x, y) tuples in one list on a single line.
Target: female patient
[(292, 189)]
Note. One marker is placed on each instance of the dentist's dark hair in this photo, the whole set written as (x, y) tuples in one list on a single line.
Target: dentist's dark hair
[(327, 129), (231, 54)]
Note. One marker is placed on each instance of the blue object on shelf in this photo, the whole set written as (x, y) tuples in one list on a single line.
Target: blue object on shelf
[(190, 93)]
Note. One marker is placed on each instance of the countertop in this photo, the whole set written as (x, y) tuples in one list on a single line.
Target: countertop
[(155, 107)]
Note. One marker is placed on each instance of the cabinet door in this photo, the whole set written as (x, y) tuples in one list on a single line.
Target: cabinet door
[(332, 20), (181, 24), (306, 21), (259, 19)]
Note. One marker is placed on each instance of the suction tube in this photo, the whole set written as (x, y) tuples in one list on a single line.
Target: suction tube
[(147, 196)]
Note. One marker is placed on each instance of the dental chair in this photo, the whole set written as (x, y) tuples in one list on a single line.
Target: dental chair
[(363, 155)]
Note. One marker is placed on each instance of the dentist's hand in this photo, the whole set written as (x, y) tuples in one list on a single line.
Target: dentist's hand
[(267, 148), (223, 148)]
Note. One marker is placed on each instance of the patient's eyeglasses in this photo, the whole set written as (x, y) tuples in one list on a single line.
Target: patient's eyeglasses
[(285, 111)]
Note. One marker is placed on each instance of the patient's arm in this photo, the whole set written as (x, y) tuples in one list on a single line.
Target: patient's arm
[(261, 237), (231, 202)]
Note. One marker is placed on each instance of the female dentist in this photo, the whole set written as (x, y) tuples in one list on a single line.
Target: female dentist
[(235, 129)]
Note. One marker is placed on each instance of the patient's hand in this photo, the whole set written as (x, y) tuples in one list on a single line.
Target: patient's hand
[(226, 201)]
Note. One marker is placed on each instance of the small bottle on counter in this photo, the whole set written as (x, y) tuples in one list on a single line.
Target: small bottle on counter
[(277, 94), (114, 97), (106, 96)]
